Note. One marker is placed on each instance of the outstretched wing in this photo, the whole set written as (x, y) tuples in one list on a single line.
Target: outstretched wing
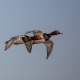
[(36, 32), (49, 46), (32, 31), (29, 45), (10, 42)]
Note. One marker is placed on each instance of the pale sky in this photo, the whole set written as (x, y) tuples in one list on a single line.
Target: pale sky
[(19, 16)]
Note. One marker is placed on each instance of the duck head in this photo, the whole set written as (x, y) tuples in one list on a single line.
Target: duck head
[(56, 32)]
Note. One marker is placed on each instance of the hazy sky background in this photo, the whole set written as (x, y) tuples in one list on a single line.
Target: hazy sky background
[(19, 16)]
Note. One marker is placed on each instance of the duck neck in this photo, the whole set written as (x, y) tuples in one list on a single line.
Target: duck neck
[(46, 36)]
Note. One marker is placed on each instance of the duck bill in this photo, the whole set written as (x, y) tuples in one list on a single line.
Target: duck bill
[(60, 33)]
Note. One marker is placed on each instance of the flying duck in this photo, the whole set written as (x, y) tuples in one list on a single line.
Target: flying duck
[(21, 39), (44, 39)]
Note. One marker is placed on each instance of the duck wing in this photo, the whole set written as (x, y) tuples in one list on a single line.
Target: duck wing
[(33, 31), (29, 45), (36, 32), (10, 42), (49, 46)]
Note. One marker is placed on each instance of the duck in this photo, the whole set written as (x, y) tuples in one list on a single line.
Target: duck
[(16, 40), (45, 39)]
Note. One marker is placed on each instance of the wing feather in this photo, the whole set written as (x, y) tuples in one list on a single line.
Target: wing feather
[(49, 46), (10, 42), (29, 45)]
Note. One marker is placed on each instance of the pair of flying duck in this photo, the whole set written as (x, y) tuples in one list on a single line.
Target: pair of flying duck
[(39, 37)]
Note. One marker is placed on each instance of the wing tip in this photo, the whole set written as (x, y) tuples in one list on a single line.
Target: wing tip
[(46, 57), (5, 49), (29, 51)]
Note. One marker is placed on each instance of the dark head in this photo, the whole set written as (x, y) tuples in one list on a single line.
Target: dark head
[(56, 32)]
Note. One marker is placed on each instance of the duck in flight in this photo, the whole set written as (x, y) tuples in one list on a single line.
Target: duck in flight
[(20, 40), (45, 39)]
